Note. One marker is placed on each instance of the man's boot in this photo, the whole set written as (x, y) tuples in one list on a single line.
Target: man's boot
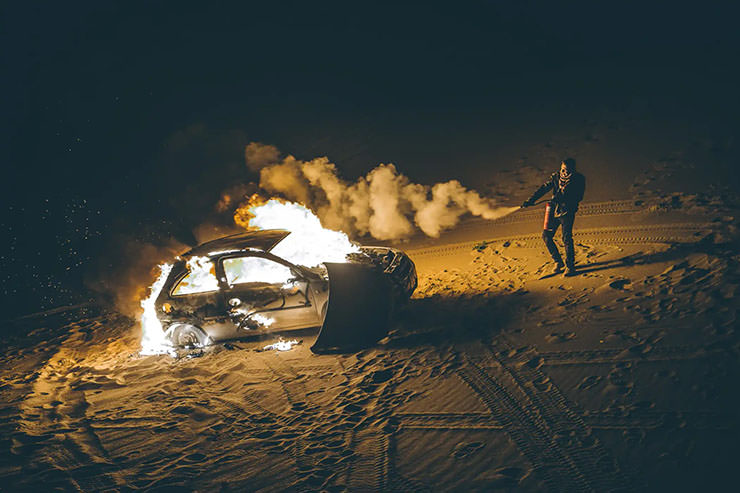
[(570, 271), (558, 267)]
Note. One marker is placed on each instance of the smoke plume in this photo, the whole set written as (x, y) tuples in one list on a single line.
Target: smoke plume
[(122, 276), (384, 203)]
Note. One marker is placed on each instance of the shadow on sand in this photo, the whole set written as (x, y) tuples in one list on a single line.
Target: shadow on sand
[(443, 320), (676, 251)]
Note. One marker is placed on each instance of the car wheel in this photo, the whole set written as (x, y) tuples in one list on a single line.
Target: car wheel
[(186, 335)]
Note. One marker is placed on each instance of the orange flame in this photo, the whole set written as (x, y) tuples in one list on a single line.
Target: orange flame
[(245, 214), (309, 244)]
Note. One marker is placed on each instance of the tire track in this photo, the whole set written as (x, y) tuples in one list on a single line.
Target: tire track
[(600, 419), (617, 355), (244, 410), (659, 233), (290, 381), (526, 431), (447, 421), (396, 481), (590, 458), (535, 215), (373, 467), (532, 216), (369, 470), (311, 369), (54, 428), (649, 420), (590, 209), (555, 438)]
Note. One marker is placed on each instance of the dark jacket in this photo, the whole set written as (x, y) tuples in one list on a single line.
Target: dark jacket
[(568, 200)]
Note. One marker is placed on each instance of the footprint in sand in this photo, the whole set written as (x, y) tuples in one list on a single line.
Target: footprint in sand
[(464, 449), (182, 410), (536, 362), (264, 434), (633, 436), (589, 382), (299, 406), (619, 284), (196, 457), (542, 384), (336, 444), (560, 337), (352, 409), (505, 478), (566, 439), (380, 376), (328, 461), (619, 377)]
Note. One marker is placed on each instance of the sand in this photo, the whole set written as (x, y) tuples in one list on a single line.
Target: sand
[(492, 378)]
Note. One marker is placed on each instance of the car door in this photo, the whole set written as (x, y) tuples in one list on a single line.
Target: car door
[(196, 299), (265, 294)]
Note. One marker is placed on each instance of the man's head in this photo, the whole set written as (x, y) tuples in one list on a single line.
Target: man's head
[(567, 166)]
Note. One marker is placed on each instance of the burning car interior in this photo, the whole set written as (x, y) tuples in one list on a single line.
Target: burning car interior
[(235, 287)]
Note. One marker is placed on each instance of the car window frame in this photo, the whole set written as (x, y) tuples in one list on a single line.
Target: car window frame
[(221, 271), (182, 276)]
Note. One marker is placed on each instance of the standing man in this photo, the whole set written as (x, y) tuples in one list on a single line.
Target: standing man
[(567, 192)]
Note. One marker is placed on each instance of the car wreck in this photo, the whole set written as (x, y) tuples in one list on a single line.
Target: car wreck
[(233, 287)]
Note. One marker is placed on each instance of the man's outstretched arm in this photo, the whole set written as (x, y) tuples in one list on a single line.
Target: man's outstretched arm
[(544, 188)]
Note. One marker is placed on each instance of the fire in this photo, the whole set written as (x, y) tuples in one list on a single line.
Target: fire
[(243, 215), (201, 277), (309, 244), (281, 345), (153, 340), (263, 320)]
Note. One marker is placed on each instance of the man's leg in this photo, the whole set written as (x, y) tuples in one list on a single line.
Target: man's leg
[(570, 254), (547, 237)]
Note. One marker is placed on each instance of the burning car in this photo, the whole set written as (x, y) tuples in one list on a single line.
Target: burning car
[(235, 286)]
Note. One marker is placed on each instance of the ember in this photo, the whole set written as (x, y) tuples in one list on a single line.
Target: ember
[(281, 345)]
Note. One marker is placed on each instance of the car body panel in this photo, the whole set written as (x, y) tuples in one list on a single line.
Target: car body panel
[(257, 240), (355, 320)]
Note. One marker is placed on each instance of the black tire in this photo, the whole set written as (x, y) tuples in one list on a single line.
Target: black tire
[(188, 336)]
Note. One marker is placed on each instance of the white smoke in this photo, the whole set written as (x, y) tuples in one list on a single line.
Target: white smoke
[(384, 203)]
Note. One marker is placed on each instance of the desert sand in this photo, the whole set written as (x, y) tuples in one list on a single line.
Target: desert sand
[(491, 379)]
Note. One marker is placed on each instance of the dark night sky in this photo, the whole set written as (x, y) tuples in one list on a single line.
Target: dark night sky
[(115, 113)]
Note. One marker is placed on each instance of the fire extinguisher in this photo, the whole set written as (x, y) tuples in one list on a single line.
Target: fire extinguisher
[(549, 216)]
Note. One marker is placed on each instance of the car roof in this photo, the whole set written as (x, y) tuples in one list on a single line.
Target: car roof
[(264, 240)]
